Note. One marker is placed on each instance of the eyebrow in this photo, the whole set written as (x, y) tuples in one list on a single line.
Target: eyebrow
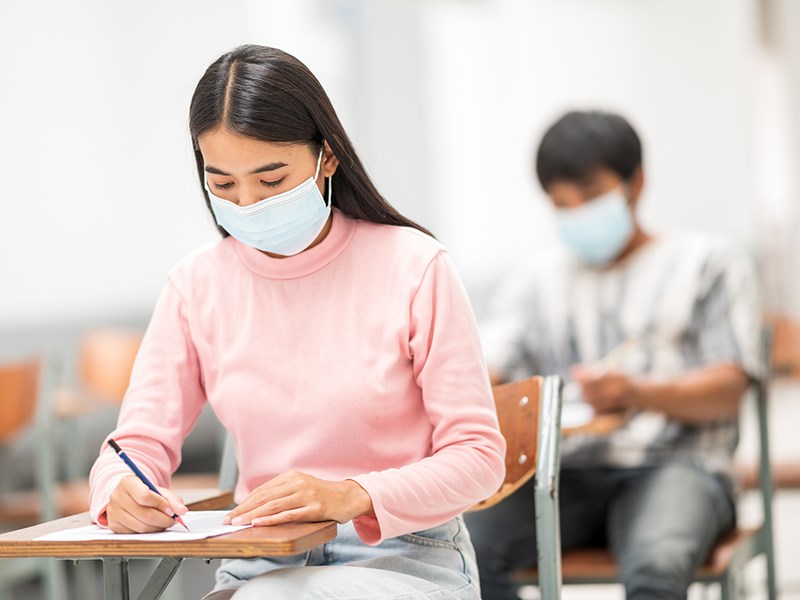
[(262, 169)]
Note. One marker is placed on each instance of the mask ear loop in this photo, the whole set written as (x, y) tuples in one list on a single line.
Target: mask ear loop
[(330, 179), (330, 187), (319, 162)]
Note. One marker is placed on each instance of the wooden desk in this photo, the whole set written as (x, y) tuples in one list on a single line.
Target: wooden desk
[(280, 540)]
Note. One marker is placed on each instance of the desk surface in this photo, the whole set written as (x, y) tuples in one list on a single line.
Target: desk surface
[(278, 540)]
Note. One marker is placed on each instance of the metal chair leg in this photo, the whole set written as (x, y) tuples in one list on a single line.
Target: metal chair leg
[(772, 585), (727, 586)]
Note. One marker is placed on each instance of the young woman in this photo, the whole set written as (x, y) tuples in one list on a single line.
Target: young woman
[(333, 339)]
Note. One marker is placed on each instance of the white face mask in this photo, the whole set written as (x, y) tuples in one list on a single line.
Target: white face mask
[(599, 230), (284, 224)]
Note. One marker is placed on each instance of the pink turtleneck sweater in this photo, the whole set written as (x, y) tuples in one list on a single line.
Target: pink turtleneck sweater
[(356, 359)]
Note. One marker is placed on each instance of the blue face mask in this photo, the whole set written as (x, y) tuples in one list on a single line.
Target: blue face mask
[(284, 224), (597, 231)]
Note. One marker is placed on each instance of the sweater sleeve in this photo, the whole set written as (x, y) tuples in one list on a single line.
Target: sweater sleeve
[(162, 404), (467, 456)]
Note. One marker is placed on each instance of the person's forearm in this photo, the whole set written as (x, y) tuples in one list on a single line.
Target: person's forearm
[(700, 396)]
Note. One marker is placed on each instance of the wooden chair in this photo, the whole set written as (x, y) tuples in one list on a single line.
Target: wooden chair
[(727, 558), (529, 412), (25, 393), (105, 361)]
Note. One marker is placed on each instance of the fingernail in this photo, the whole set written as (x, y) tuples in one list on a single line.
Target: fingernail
[(226, 520), (237, 521)]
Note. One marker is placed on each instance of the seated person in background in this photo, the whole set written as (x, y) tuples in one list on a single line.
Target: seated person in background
[(661, 329)]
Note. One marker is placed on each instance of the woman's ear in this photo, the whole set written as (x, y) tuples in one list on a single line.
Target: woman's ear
[(329, 161)]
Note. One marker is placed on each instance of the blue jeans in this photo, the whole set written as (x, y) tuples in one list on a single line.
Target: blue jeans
[(436, 563), (659, 523)]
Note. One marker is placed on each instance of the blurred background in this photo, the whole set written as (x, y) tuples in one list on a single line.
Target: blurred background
[(444, 99)]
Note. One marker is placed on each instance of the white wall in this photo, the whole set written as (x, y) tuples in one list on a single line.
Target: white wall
[(503, 70), (97, 177), (445, 100), (778, 134)]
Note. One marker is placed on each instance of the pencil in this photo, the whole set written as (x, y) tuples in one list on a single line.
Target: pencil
[(141, 475)]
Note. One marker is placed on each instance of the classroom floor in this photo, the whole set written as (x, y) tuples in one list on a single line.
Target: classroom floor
[(196, 577)]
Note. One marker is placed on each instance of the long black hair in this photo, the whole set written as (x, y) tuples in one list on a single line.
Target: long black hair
[(268, 95)]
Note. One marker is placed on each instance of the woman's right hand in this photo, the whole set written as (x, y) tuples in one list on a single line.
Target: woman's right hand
[(135, 508)]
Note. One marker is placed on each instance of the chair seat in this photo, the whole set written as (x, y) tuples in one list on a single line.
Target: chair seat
[(597, 564), (785, 475)]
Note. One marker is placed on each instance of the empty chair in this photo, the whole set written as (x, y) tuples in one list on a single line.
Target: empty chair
[(25, 394)]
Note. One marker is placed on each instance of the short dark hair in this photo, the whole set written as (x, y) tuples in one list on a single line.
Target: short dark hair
[(580, 142)]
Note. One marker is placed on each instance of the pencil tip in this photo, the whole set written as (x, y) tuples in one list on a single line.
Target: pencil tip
[(179, 520)]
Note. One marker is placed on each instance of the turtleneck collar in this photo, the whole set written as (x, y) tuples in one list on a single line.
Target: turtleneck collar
[(305, 262)]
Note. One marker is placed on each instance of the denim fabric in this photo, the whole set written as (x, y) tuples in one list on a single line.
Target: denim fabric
[(659, 523), (436, 563)]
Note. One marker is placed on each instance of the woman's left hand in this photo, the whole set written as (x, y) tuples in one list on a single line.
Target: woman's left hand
[(295, 496)]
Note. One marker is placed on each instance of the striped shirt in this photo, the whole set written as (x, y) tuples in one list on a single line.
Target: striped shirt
[(682, 301)]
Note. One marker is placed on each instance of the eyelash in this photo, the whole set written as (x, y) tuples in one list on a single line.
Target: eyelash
[(226, 186)]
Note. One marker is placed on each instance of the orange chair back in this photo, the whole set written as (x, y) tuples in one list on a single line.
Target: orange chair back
[(106, 362), (518, 412), (19, 388)]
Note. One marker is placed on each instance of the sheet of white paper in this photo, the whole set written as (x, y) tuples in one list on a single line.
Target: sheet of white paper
[(576, 414), (202, 524), (574, 411)]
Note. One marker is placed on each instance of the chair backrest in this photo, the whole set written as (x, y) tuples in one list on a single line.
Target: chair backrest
[(106, 360), (19, 390), (518, 407), (25, 401), (528, 418), (529, 413)]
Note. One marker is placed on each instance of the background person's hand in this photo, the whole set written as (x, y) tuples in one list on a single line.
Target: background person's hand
[(606, 391), (135, 508), (294, 496)]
